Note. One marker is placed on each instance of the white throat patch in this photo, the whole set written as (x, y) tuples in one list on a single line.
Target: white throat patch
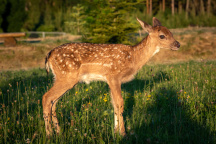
[(157, 50)]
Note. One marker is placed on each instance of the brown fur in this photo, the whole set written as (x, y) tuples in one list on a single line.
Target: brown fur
[(114, 63)]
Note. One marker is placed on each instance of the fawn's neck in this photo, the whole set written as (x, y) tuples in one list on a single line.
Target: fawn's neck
[(143, 51)]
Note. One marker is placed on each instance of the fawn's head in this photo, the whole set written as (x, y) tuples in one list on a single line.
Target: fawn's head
[(160, 35)]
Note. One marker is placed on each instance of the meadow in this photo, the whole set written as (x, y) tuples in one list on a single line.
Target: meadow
[(172, 103)]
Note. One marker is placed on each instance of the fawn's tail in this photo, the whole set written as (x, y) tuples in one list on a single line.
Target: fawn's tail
[(47, 62)]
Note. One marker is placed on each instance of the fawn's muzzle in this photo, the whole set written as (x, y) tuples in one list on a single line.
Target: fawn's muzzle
[(176, 46)]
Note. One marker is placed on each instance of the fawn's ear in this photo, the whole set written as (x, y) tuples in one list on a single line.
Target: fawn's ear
[(146, 27), (156, 22)]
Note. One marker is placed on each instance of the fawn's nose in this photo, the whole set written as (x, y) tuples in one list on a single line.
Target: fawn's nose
[(177, 44)]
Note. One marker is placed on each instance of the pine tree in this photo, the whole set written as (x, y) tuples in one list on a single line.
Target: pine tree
[(108, 22), (15, 15), (2, 10), (34, 10), (75, 20)]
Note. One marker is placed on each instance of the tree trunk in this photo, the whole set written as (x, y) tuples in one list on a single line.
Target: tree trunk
[(163, 5), (150, 7), (147, 6), (209, 7), (180, 7), (202, 8), (160, 6), (193, 8), (173, 7), (187, 9)]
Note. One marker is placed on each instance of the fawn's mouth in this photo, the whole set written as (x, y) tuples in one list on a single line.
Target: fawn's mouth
[(174, 48)]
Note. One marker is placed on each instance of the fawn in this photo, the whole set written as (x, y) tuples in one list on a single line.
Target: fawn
[(113, 63)]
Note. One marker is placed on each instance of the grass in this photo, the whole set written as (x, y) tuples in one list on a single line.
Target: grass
[(172, 103)]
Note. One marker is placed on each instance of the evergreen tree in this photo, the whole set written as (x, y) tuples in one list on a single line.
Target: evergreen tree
[(16, 15), (75, 20), (45, 15), (34, 9), (2, 10), (48, 20), (108, 23)]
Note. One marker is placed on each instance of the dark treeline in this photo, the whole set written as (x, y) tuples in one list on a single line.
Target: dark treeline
[(102, 20)]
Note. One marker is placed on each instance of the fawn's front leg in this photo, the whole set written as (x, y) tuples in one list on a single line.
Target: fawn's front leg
[(118, 104)]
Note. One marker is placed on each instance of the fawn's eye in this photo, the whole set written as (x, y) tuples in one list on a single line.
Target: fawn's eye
[(162, 36)]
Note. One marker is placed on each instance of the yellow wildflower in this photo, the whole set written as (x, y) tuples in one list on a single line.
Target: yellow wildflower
[(105, 99), (86, 89)]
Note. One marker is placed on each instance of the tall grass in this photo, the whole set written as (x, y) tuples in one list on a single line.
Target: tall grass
[(173, 103)]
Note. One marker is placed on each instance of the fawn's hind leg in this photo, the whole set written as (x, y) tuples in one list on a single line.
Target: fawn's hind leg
[(54, 117), (49, 101)]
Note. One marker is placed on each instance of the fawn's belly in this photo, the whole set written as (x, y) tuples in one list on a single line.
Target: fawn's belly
[(87, 78)]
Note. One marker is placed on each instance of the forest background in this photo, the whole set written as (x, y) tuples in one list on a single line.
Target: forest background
[(102, 21)]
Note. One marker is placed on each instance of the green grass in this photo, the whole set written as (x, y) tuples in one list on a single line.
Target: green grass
[(173, 103)]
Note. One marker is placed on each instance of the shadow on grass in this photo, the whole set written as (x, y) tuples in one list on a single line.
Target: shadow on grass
[(168, 121), (139, 85), (24, 90), (31, 41), (23, 81)]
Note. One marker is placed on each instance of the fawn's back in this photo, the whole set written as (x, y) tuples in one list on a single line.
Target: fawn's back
[(89, 60)]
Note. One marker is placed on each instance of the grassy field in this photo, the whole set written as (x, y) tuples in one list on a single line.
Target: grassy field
[(174, 103)]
